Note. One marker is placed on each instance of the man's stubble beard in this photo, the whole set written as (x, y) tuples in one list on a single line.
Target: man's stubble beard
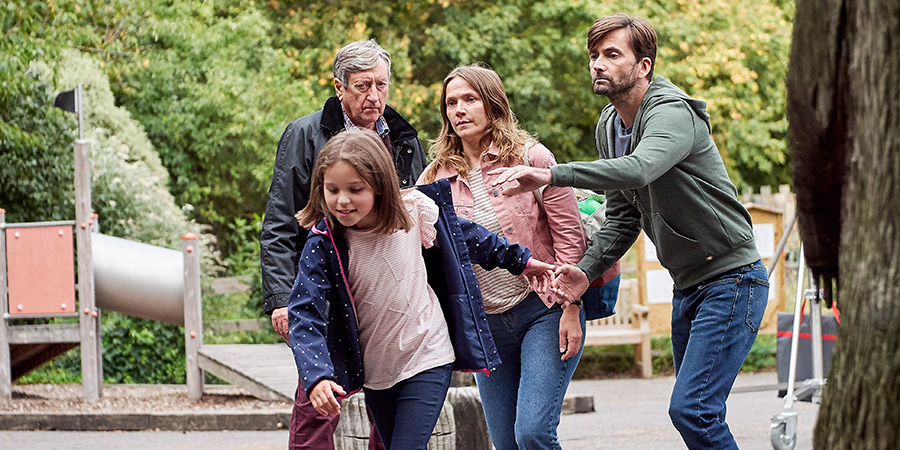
[(616, 87)]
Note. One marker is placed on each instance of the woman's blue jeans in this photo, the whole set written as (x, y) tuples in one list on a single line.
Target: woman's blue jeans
[(405, 413), (714, 325), (522, 398)]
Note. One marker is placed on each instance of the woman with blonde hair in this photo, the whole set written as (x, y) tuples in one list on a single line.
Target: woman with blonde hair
[(539, 343)]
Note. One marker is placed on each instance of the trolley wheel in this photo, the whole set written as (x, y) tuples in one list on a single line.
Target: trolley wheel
[(780, 441)]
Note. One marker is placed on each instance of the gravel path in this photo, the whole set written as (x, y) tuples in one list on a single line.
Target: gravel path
[(132, 398)]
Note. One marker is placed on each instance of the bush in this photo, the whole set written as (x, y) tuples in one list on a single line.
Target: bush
[(142, 351), (36, 156)]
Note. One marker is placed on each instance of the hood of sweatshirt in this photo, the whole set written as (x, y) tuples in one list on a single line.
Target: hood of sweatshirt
[(661, 91)]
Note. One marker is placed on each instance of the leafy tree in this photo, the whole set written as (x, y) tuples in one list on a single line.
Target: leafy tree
[(36, 156), (213, 96), (129, 184), (35, 139), (732, 54)]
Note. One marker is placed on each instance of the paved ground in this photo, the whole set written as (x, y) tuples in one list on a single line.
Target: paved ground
[(630, 414)]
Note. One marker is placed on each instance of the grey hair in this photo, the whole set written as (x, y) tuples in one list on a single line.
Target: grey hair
[(357, 57)]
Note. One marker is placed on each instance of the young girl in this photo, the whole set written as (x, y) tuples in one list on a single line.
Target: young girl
[(367, 311)]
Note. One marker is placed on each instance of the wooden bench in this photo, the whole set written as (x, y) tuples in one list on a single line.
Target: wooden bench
[(629, 325)]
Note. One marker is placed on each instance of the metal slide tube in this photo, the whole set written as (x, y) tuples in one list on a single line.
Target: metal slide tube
[(139, 279)]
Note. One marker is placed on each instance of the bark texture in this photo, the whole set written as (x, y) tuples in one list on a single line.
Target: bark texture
[(817, 87), (846, 56)]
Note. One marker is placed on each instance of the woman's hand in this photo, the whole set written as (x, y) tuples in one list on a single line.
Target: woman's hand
[(540, 275), (322, 397), (570, 332)]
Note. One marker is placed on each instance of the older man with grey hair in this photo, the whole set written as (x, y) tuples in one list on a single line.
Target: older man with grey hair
[(362, 72)]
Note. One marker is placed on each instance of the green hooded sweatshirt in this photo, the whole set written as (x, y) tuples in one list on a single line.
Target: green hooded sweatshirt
[(672, 184)]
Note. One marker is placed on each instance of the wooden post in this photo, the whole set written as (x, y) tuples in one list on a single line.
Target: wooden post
[(193, 315), (5, 363), (91, 359)]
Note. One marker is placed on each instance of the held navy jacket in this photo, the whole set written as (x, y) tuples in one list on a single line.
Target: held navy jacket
[(324, 332), (282, 240)]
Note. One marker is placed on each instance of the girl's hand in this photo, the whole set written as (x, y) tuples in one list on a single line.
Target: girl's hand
[(540, 275), (322, 397), (570, 332)]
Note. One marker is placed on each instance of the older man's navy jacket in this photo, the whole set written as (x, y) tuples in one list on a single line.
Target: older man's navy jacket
[(323, 324)]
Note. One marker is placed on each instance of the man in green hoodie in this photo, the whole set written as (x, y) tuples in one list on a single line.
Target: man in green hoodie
[(662, 173)]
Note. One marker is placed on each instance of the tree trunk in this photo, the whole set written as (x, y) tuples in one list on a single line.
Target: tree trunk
[(858, 45)]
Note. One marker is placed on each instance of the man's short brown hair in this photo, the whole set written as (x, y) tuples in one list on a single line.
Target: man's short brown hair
[(641, 35)]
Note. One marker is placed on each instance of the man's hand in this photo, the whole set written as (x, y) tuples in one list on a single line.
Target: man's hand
[(528, 178), (322, 397), (569, 284), (570, 332), (280, 323)]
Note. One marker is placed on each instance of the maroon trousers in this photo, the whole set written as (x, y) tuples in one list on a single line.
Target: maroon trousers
[(311, 431)]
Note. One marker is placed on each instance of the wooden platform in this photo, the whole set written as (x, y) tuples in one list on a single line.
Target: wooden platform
[(30, 346), (266, 371)]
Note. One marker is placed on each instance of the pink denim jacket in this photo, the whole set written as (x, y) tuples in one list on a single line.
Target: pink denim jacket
[(557, 237)]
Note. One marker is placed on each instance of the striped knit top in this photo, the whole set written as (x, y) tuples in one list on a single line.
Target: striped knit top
[(402, 330)]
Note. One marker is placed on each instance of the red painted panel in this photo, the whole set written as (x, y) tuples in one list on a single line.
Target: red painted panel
[(40, 265)]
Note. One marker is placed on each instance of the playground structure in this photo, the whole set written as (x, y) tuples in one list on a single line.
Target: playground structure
[(37, 280)]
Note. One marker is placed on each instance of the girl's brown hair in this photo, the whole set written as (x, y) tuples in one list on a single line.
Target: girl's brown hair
[(366, 153), (446, 149)]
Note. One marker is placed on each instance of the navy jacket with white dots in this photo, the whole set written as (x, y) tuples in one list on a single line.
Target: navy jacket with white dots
[(323, 324)]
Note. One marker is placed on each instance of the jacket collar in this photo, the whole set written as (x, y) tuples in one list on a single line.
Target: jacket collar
[(333, 121)]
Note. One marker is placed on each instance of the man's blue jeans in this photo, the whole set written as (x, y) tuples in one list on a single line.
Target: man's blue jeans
[(522, 397), (714, 325)]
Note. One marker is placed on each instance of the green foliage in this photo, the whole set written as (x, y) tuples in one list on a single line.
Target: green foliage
[(663, 359), (30, 31), (36, 156), (232, 307), (214, 83), (65, 369), (134, 351), (204, 90), (606, 362), (762, 354), (244, 259), (129, 185), (142, 351), (214, 97), (732, 54)]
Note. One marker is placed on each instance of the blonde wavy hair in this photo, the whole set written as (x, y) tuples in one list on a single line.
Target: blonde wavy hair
[(446, 149)]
